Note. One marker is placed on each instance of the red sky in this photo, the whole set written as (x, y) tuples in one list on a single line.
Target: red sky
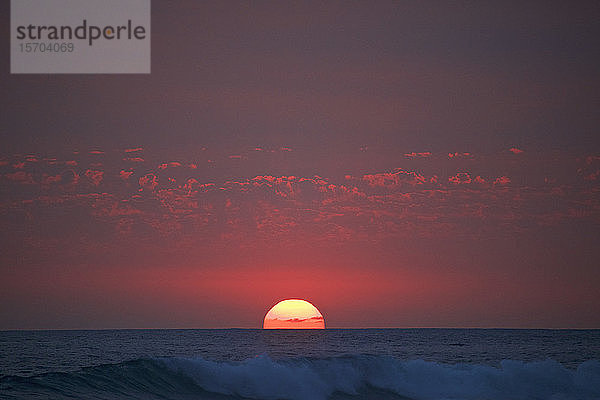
[(116, 239), (397, 164)]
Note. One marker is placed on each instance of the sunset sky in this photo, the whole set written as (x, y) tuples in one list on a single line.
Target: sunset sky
[(397, 164)]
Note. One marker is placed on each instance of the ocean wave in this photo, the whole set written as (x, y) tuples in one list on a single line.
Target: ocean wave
[(349, 377)]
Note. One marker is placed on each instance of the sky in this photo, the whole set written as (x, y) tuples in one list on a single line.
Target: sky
[(397, 164)]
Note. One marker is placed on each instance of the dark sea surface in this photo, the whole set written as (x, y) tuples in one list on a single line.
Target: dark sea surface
[(327, 364)]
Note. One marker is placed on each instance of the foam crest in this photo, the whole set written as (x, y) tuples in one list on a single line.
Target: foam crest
[(350, 377), (318, 379)]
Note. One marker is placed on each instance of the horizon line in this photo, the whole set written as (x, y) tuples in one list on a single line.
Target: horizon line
[(293, 329)]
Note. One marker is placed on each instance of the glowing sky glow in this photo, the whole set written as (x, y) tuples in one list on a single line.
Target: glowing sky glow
[(400, 164)]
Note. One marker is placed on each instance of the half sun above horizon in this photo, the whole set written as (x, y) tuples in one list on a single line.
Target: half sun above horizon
[(294, 314)]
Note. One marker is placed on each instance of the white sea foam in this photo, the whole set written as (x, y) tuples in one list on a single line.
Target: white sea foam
[(318, 379)]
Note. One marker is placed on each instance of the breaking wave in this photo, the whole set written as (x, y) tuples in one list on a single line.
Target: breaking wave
[(348, 377)]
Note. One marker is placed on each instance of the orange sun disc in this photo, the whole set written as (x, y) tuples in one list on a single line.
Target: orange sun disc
[(294, 314)]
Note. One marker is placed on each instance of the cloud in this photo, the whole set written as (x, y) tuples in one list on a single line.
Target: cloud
[(460, 178), (134, 159), (515, 150), (460, 155), (418, 155), (205, 204), (502, 180), (94, 176), (391, 179), (172, 164), (21, 177), (148, 182), (298, 320), (125, 174)]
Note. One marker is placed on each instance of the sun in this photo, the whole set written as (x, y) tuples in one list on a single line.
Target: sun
[(294, 314)]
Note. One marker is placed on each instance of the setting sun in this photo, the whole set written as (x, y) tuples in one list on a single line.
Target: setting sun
[(294, 314)]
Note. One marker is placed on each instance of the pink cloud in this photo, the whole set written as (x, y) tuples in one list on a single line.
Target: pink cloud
[(387, 179), (418, 155), (20, 176), (515, 150), (134, 159), (460, 155), (94, 176), (148, 182), (193, 186), (133, 150), (169, 165), (125, 174), (96, 152), (189, 185), (267, 178), (352, 205), (460, 178), (502, 180)]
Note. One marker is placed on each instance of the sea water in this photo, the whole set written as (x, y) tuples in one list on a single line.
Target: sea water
[(301, 364)]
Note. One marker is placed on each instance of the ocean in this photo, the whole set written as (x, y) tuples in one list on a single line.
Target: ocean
[(301, 364)]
